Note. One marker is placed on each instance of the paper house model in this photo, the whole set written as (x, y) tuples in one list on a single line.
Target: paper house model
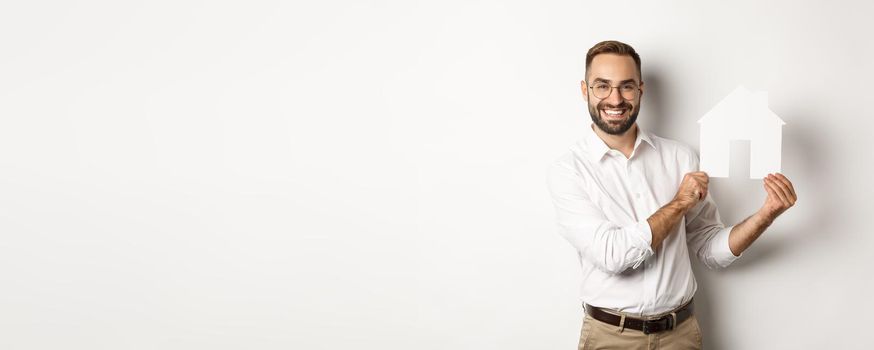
[(742, 115)]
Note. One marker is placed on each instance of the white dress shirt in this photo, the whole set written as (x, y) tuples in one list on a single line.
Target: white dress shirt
[(603, 199)]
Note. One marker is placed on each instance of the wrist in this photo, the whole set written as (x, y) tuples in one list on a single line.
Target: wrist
[(764, 216), (681, 205)]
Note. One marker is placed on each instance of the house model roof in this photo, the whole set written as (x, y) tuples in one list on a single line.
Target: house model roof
[(741, 99)]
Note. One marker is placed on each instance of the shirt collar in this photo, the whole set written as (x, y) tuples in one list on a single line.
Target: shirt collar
[(597, 148)]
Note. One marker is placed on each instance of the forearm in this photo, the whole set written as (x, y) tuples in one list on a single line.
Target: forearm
[(745, 233), (664, 220)]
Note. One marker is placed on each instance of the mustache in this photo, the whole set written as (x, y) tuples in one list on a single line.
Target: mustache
[(624, 104)]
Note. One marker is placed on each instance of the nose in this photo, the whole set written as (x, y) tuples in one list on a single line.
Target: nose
[(615, 97)]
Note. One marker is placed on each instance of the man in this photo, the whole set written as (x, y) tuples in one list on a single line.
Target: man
[(634, 205)]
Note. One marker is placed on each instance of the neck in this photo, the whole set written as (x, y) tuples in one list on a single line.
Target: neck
[(623, 142)]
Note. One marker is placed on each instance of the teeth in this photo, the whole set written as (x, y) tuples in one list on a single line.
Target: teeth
[(614, 112)]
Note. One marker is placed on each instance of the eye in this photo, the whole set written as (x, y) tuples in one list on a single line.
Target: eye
[(601, 86), (628, 87)]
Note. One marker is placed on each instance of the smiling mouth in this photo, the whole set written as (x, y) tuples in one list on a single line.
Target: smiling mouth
[(613, 114)]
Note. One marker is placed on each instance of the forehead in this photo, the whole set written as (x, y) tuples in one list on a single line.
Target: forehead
[(612, 67)]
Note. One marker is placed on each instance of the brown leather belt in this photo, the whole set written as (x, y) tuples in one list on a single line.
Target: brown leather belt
[(647, 326)]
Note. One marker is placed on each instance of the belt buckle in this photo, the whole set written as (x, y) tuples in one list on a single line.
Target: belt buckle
[(668, 323)]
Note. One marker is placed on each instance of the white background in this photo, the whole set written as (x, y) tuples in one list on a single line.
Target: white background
[(371, 174)]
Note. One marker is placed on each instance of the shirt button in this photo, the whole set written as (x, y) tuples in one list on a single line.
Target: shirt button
[(637, 195)]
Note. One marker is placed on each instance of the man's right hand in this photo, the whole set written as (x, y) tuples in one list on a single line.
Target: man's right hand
[(692, 190)]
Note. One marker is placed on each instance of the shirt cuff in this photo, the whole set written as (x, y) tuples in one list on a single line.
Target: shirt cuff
[(643, 233), (722, 251)]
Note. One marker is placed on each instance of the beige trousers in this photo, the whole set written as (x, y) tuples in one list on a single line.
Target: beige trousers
[(599, 335)]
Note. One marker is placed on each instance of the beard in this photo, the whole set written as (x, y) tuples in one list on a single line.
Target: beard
[(614, 127)]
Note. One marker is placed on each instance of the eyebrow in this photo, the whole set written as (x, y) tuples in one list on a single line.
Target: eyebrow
[(598, 80)]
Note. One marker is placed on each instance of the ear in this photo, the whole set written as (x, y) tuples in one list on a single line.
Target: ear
[(585, 89), (641, 89)]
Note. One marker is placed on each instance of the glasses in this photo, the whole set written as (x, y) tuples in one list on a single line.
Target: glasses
[(628, 91)]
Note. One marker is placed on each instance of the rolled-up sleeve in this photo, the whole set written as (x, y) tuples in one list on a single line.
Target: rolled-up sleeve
[(609, 246), (706, 235)]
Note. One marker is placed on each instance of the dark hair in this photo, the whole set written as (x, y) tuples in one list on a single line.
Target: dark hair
[(614, 47)]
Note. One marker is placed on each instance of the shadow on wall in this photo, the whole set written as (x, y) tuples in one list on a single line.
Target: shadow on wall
[(654, 101), (803, 160)]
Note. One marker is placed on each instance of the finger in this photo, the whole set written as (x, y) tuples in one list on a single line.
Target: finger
[(771, 194), (701, 190), (785, 180), (698, 174), (785, 188), (777, 191), (693, 176)]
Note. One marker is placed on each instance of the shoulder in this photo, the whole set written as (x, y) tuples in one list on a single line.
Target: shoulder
[(568, 168), (564, 165)]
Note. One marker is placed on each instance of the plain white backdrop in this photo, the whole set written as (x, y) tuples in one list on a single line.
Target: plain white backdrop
[(371, 174)]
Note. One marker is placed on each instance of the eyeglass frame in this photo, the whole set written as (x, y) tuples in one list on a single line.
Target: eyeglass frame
[(639, 90)]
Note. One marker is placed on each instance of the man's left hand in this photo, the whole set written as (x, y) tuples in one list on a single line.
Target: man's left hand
[(781, 195)]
